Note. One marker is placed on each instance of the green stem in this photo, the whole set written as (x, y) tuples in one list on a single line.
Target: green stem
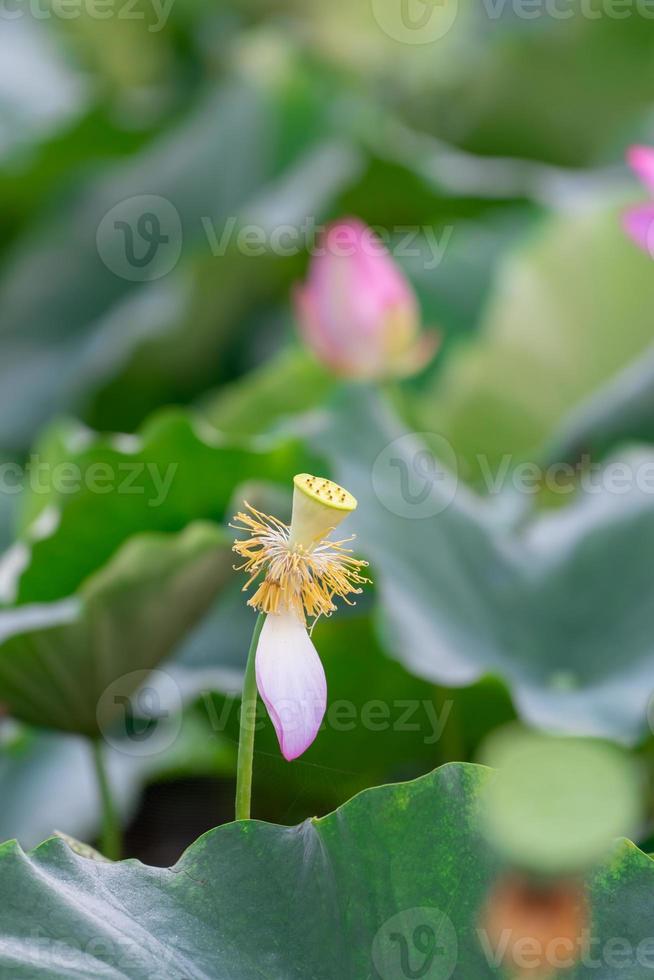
[(247, 729), (111, 838), (451, 743)]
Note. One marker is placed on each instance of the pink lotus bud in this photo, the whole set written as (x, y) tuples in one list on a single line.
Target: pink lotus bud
[(357, 311)]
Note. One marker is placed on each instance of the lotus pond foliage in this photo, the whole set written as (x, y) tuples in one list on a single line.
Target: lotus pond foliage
[(326, 492)]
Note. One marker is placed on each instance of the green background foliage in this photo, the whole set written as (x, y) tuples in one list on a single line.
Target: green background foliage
[(493, 161)]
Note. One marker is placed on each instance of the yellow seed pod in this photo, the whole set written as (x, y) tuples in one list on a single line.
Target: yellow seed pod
[(319, 505)]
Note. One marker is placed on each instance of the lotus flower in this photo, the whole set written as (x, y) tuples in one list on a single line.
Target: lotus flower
[(301, 571), (639, 220), (357, 311)]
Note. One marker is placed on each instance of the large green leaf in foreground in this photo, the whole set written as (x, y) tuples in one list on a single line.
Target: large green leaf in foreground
[(347, 897), (560, 608), (72, 664)]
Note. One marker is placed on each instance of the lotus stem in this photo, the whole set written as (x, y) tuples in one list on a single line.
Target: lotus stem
[(111, 843), (247, 729)]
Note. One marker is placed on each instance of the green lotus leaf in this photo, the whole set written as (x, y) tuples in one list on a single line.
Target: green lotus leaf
[(558, 607), (292, 382), (621, 410), (394, 880), (547, 342), (71, 664), (91, 493)]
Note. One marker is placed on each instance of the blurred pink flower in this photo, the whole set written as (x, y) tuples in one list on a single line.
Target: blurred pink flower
[(639, 220), (357, 311)]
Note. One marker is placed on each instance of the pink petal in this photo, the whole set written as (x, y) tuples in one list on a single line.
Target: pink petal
[(641, 161), (357, 259), (639, 225), (291, 681), (326, 347), (352, 287)]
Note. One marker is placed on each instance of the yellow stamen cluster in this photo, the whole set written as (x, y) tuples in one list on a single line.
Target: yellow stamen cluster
[(304, 578)]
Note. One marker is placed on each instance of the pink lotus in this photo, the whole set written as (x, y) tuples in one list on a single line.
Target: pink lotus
[(357, 311), (639, 220)]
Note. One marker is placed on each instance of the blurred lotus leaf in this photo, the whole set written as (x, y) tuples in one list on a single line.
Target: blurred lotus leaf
[(622, 410), (48, 781), (80, 315), (548, 341), (558, 606), (89, 493), (73, 664)]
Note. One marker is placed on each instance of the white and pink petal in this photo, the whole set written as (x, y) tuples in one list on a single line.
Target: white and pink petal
[(291, 681)]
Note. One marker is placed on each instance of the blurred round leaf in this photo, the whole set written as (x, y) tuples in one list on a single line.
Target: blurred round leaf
[(556, 805)]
